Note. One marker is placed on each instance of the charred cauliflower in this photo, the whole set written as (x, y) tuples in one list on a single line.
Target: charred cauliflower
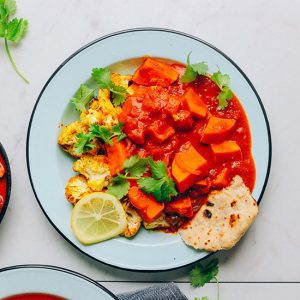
[(134, 220), (158, 223), (67, 139), (76, 188), (95, 169)]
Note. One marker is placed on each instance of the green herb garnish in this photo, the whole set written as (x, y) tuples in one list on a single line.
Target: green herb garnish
[(160, 185), (11, 30), (101, 132), (200, 274), (102, 77), (193, 70), (82, 97), (133, 168), (222, 81)]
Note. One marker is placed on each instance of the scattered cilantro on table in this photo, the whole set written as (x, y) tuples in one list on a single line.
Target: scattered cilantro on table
[(11, 30), (200, 275), (101, 132)]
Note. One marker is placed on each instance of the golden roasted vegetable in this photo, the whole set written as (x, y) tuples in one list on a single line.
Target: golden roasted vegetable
[(67, 139), (76, 188), (134, 220), (158, 223), (94, 169)]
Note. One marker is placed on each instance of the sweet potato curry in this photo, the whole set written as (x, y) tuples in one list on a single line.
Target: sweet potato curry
[(162, 141)]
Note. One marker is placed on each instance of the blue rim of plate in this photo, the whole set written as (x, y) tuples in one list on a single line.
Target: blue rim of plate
[(59, 269), (138, 30), (8, 182)]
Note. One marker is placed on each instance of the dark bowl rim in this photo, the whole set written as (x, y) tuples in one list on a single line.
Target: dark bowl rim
[(60, 269), (112, 35), (8, 181)]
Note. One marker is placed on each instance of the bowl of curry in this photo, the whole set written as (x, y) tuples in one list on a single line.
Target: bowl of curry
[(155, 150)]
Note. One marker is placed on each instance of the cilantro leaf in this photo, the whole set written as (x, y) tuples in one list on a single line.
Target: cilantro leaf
[(117, 131), (16, 30), (192, 70), (189, 74), (11, 30), (202, 298), (102, 133), (136, 166), (200, 275), (220, 79), (82, 97), (83, 143), (119, 187), (225, 95), (159, 184), (102, 77)]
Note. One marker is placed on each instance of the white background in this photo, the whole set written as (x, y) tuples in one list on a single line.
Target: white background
[(262, 37)]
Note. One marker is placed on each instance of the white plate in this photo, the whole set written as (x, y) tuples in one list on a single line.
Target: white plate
[(50, 168), (50, 280)]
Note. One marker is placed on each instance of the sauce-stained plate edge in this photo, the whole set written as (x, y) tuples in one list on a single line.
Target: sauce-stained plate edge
[(132, 31), (46, 268)]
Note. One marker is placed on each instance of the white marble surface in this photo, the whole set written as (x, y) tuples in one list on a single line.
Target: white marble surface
[(262, 36)]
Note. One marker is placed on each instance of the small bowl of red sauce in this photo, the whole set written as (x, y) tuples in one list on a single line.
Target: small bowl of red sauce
[(5, 182)]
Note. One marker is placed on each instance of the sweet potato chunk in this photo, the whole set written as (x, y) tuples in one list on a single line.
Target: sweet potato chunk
[(182, 206), (146, 204), (116, 156), (160, 134), (155, 72), (195, 104), (221, 180), (188, 167), (228, 150), (217, 130)]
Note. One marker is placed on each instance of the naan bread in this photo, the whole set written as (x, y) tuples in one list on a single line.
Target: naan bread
[(223, 220)]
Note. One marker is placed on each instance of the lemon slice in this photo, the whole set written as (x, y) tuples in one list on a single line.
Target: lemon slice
[(98, 217)]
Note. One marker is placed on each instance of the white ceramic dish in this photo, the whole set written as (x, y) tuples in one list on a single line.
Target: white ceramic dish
[(50, 280), (50, 168)]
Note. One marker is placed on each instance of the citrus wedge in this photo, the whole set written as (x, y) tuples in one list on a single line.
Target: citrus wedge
[(97, 217)]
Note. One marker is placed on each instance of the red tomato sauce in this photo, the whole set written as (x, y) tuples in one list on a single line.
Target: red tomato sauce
[(3, 182), (34, 296), (158, 123)]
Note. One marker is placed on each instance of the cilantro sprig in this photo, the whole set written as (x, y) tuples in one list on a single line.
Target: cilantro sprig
[(193, 70), (222, 80), (202, 274), (103, 133), (11, 30), (102, 77), (133, 168), (82, 97), (160, 185)]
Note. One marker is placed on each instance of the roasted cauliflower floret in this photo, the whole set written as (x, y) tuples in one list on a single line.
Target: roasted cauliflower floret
[(67, 138), (158, 223), (95, 169), (101, 111), (134, 220), (76, 188), (121, 80)]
